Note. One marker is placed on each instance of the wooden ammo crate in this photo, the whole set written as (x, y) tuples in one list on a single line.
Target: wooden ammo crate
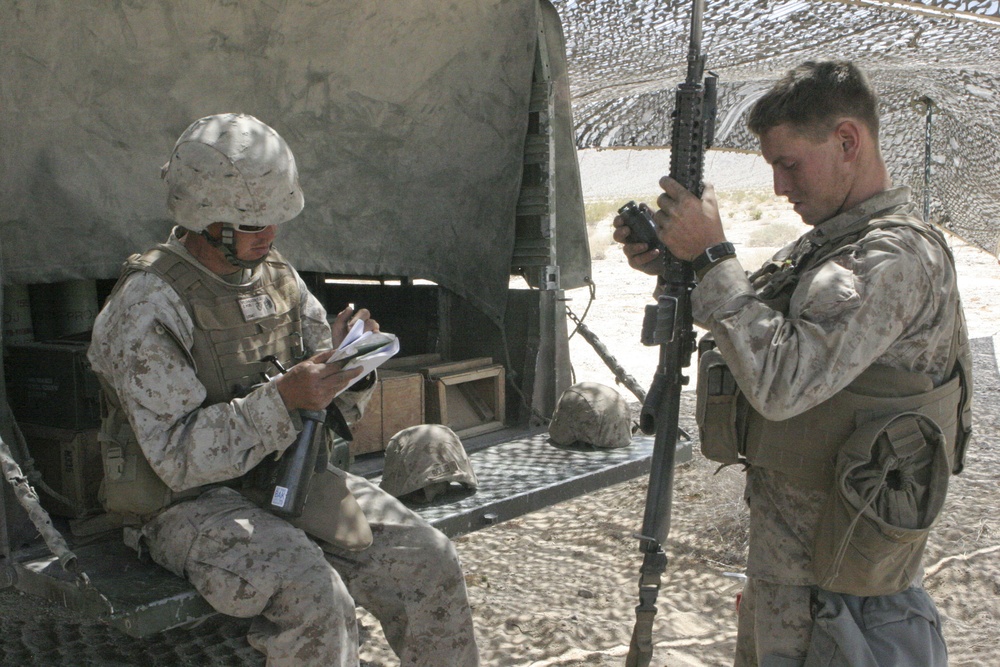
[(411, 363), (466, 396), (397, 402)]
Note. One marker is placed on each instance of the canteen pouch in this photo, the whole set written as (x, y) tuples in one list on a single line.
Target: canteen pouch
[(890, 483), (716, 409)]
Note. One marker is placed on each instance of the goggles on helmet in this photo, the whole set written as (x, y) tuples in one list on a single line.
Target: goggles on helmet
[(227, 243), (250, 229)]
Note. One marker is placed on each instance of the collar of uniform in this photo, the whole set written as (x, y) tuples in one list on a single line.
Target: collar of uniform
[(856, 218), (175, 244)]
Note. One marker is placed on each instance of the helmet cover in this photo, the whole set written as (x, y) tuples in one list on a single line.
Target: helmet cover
[(231, 168), (591, 413), (426, 457)]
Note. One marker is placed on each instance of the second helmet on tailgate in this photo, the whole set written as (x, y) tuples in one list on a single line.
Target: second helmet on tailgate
[(426, 458), (593, 414)]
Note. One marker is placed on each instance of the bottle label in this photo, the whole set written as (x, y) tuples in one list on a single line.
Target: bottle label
[(280, 496)]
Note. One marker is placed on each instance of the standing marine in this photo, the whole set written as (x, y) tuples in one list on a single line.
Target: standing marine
[(838, 374)]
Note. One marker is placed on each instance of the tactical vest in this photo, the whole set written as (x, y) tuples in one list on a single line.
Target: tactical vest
[(805, 446), (235, 328)]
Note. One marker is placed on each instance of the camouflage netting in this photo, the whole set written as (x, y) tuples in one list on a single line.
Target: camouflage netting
[(626, 58)]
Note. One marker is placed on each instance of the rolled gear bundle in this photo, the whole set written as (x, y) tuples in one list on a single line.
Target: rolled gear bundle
[(592, 414), (424, 461), (235, 169), (890, 485)]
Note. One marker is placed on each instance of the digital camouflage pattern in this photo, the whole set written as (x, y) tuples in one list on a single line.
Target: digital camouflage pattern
[(243, 560), (232, 168), (411, 581), (140, 347), (769, 623), (426, 457), (591, 413), (247, 562), (888, 299)]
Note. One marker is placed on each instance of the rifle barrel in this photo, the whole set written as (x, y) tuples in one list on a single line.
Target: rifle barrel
[(696, 62)]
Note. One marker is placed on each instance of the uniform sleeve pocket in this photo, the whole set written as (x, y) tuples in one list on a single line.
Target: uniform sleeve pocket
[(829, 292)]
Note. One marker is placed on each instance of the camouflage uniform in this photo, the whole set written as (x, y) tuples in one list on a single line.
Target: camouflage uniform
[(245, 561), (890, 298)]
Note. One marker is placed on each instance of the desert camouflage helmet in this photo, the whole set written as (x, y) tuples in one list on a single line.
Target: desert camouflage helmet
[(593, 414), (231, 168), (426, 458)]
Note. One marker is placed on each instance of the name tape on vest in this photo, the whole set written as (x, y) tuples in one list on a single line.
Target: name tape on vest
[(257, 307)]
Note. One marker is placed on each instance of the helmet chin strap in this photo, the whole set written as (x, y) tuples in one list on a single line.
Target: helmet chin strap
[(227, 244)]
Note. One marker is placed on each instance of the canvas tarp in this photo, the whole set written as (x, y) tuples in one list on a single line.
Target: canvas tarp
[(407, 120)]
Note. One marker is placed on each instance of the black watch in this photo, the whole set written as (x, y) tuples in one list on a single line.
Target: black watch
[(712, 255)]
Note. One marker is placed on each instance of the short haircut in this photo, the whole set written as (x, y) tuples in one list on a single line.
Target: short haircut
[(814, 96)]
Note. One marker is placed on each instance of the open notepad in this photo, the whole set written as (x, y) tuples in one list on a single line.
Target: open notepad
[(367, 349)]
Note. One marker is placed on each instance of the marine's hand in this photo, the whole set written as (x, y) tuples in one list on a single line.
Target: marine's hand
[(346, 318), (640, 256), (313, 383), (687, 225)]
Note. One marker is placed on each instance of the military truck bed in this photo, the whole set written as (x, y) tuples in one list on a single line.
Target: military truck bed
[(137, 613)]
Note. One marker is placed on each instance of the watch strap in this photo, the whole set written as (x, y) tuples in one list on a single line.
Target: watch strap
[(713, 255)]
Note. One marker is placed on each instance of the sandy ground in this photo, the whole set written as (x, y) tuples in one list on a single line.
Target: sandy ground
[(558, 586)]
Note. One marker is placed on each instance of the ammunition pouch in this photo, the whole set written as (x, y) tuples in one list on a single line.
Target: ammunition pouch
[(731, 431), (717, 409), (332, 514), (130, 487), (963, 371)]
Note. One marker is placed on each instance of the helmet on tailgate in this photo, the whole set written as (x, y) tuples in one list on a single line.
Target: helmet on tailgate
[(593, 414), (424, 460)]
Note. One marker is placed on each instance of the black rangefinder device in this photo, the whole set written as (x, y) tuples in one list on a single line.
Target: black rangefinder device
[(640, 221)]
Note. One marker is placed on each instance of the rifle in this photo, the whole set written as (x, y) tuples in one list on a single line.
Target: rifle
[(621, 375), (669, 324)]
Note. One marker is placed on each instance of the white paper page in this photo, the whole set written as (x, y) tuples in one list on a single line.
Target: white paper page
[(371, 360), (356, 331)]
